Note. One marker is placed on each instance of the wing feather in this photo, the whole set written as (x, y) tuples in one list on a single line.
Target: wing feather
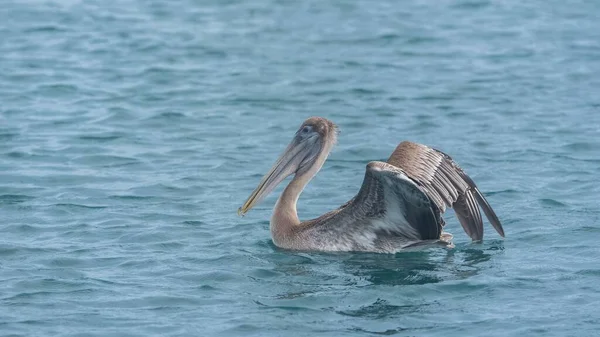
[(447, 185), (401, 195), (390, 212), (489, 212)]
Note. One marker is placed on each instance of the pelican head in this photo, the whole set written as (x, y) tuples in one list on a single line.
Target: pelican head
[(304, 156)]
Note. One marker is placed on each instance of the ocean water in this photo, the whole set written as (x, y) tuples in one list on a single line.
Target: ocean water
[(132, 130)]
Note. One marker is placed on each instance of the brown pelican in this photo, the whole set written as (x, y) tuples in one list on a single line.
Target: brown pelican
[(399, 205)]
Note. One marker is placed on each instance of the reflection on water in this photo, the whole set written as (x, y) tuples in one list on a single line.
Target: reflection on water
[(422, 267), (343, 286), (381, 309), (428, 266), (404, 268)]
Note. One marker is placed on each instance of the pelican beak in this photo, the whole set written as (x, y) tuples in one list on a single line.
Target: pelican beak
[(286, 165), (297, 157)]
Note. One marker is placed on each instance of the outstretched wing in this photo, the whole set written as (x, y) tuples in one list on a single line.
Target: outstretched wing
[(444, 182), (390, 212)]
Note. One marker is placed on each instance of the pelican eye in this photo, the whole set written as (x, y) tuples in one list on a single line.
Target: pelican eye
[(306, 129)]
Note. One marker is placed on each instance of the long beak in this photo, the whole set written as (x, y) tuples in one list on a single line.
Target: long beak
[(285, 165)]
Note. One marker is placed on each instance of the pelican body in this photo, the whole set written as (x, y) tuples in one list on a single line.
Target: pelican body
[(399, 205)]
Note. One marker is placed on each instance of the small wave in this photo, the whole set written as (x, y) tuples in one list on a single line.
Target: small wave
[(194, 223), (469, 5), (552, 203), (6, 136), (46, 29), (74, 206), (286, 307), (580, 146), (365, 91), (58, 88), (589, 272), (381, 309), (100, 138), (106, 160), (131, 197), (14, 198), (169, 115), (507, 191)]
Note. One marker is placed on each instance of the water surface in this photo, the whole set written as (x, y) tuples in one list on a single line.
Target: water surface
[(132, 130)]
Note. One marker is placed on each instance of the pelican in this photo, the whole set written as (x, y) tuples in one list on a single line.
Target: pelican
[(399, 205)]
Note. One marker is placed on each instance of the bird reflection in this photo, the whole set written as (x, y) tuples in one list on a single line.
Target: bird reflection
[(409, 268), (316, 281), (422, 267)]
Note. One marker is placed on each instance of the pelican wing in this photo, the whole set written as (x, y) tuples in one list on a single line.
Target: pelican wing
[(446, 184), (389, 199), (390, 212)]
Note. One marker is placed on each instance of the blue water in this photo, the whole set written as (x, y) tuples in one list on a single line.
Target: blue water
[(132, 130)]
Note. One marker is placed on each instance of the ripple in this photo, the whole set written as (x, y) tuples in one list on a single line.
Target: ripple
[(133, 197), (129, 135), (365, 91), (507, 191), (100, 138), (468, 5), (552, 203), (22, 228), (57, 88), (589, 272), (388, 332), (11, 199), (382, 309), (7, 136), (169, 116), (581, 146), (589, 229), (78, 206), (105, 160)]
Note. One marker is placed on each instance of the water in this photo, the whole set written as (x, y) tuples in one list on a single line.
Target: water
[(131, 131)]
